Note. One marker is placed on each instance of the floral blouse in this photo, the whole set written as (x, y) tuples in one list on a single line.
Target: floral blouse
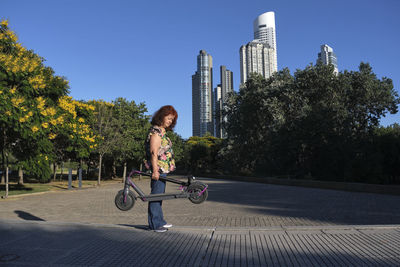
[(166, 161)]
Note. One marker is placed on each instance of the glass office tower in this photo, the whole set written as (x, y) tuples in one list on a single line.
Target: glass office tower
[(202, 84)]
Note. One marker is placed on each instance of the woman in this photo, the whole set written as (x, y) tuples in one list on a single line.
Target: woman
[(160, 160)]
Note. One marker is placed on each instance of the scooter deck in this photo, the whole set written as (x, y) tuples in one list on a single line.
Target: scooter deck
[(158, 197)]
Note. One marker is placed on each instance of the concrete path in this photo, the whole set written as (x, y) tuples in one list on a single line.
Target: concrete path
[(241, 224)]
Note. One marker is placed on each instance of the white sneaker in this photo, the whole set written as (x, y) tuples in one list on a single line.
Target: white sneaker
[(161, 230), (168, 225)]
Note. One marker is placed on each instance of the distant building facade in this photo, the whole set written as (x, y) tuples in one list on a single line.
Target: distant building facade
[(327, 56), (260, 55), (220, 96), (256, 57), (202, 100), (226, 81)]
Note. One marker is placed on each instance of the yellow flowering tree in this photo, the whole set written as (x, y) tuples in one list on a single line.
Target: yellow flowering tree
[(36, 115), (25, 83), (74, 138)]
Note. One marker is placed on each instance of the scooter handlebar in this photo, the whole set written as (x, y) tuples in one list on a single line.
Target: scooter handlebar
[(133, 172)]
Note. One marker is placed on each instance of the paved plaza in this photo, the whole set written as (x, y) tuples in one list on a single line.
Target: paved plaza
[(241, 224)]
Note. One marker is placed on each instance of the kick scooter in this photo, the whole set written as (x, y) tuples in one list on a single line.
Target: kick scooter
[(194, 190)]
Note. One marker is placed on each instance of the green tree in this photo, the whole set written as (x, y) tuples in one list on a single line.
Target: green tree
[(386, 145), (107, 130), (132, 125), (178, 145), (314, 124), (344, 111), (255, 115), (201, 153)]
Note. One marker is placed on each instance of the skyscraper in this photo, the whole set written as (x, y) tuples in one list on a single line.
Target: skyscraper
[(260, 54), (256, 57), (226, 81), (264, 31), (202, 84), (326, 57), (220, 95)]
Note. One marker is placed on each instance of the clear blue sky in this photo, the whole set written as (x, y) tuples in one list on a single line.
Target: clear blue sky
[(146, 50)]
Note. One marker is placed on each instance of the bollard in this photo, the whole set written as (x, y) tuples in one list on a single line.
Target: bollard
[(80, 177), (69, 178)]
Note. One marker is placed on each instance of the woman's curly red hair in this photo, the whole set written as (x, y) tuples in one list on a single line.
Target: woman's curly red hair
[(164, 111)]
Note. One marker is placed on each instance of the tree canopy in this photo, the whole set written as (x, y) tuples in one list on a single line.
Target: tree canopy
[(36, 115), (313, 123)]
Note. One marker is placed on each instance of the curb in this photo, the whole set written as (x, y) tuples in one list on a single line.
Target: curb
[(216, 229), (57, 191)]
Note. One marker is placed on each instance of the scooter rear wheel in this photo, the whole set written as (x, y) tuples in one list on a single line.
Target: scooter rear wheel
[(195, 189), (127, 204)]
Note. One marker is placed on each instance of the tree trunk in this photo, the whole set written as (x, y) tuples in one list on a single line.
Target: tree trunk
[(124, 175), (6, 174), (140, 176), (6, 181), (4, 167), (54, 171), (114, 170), (100, 162), (80, 167), (21, 176), (62, 169)]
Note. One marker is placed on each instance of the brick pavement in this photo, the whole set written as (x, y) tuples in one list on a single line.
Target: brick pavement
[(241, 224), (230, 204), (38, 243)]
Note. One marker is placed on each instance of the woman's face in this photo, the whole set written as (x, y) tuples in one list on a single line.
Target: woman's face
[(168, 120)]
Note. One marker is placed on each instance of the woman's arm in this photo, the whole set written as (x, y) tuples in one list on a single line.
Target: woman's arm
[(155, 144)]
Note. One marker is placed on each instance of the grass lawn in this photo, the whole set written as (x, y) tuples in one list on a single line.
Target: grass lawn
[(27, 188)]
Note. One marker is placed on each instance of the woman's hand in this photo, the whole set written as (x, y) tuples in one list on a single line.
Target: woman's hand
[(155, 175)]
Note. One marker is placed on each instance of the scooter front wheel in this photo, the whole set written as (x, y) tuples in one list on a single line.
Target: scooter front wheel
[(124, 203), (197, 193)]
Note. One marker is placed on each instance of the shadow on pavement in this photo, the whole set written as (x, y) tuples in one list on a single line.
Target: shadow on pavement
[(139, 227), (27, 216), (38, 243), (331, 206)]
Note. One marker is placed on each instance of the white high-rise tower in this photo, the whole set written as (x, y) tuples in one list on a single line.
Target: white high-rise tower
[(327, 56), (260, 55), (264, 31)]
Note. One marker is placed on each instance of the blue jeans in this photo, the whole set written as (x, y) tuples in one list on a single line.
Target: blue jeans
[(155, 217)]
